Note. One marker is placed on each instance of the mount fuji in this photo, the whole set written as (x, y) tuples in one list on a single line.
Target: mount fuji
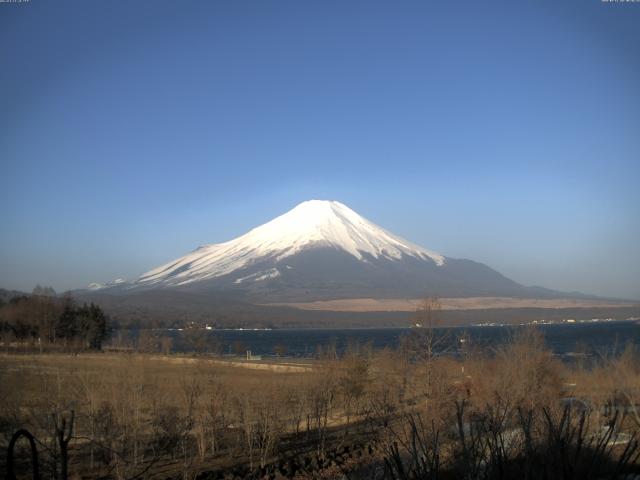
[(322, 250)]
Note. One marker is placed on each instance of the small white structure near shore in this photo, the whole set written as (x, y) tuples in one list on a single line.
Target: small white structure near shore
[(251, 357)]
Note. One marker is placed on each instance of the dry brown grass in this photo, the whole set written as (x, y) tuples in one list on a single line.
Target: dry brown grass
[(176, 415), (469, 303)]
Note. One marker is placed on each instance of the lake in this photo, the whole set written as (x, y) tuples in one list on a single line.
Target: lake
[(563, 339)]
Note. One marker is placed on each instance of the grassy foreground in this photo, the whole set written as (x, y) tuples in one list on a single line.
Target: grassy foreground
[(514, 412)]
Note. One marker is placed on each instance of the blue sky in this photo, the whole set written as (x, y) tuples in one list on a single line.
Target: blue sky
[(505, 132)]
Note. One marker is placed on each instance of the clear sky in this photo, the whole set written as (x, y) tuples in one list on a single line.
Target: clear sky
[(506, 132)]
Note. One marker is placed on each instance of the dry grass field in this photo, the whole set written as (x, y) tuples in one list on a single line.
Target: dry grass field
[(129, 401), (410, 413), (33, 373)]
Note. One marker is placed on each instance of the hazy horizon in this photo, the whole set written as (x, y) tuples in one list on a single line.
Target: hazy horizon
[(502, 133)]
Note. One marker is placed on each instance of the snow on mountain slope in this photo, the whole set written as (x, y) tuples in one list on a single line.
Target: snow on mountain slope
[(257, 277), (100, 286), (312, 223)]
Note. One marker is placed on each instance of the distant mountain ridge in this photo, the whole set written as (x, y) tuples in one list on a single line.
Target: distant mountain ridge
[(323, 250)]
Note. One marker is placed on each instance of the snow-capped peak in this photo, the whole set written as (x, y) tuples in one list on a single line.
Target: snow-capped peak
[(335, 224), (311, 223)]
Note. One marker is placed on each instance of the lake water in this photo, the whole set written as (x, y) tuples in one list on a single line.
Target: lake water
[(563, 339)]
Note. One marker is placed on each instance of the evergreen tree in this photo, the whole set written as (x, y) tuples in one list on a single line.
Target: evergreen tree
[(99, 330), (92, 325), (67, 325)]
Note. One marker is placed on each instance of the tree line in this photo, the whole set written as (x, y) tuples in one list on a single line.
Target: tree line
[(43, 320)]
